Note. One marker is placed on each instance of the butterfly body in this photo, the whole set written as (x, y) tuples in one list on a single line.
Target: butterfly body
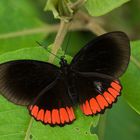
[(68, 76), (50, 92)]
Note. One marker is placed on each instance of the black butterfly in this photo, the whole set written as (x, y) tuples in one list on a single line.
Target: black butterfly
[(90, 80)]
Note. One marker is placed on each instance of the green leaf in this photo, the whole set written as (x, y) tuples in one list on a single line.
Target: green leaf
[(34, 53), (17, 119), (80, 129), (17, 16), (130, 81), (59, 8), (101, 7), (13, 121)]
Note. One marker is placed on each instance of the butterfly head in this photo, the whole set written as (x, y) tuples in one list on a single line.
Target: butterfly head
[(63, 61)]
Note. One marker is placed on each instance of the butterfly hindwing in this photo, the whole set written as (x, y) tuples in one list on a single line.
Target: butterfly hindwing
[(96, 94), (54, 106)]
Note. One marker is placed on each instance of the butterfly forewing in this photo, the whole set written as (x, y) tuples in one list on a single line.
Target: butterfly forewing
[(107, 54), (23, 80)]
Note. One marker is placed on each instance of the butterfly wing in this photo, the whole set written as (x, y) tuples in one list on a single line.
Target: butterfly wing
[(96, 93), (37, 85), (108, 54), (98, 65), (22, 80), (54, 107)]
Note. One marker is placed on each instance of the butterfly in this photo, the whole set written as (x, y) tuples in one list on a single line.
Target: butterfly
[(91, 80)]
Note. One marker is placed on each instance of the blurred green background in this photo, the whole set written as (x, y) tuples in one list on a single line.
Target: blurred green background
[(119, 123)]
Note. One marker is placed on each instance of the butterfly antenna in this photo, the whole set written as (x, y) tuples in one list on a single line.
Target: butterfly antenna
[(47, 50), (67, 45)]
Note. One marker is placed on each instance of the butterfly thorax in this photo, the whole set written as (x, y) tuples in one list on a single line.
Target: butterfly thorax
[(64, 66)]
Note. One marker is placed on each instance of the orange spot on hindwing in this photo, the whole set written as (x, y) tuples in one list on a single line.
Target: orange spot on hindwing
[(108, 97), (47, 117), (102, 102), (40, 115), (34, 111), (113, 92), (55, 116), (86, 108), (64, 115), (70, 113), (116, 86), (94, 106)]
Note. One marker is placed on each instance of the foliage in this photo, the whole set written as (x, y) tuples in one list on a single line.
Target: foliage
[(19, 21), (59, 8), (121, 122), (131, 94), (13, 19), (101, 7)]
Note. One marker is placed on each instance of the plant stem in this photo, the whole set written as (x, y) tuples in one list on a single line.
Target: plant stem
[(28, 132), (102, 126), (59, 39), (135, 61), (84, 22), (77, 4), (47, 28), (75, 26), (91, 24)]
